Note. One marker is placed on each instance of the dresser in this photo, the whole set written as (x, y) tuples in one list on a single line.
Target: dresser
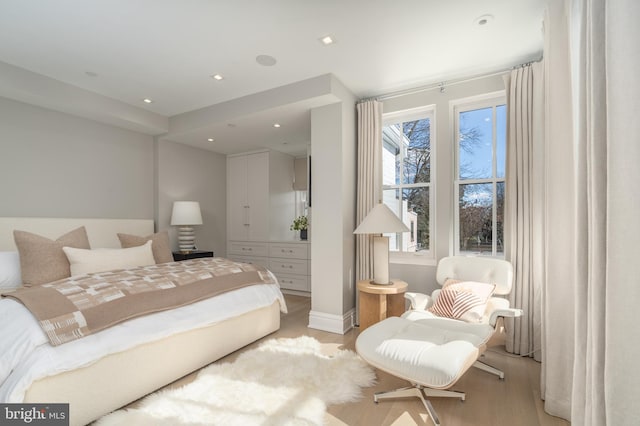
[(288, 260)]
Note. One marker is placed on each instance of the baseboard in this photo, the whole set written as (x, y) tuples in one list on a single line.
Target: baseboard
[(338, 324)]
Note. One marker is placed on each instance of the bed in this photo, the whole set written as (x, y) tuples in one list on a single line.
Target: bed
[(126, 369)]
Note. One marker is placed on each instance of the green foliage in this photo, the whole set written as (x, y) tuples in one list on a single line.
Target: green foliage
[(300, 223)]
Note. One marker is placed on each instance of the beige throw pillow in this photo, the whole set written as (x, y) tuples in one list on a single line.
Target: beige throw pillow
[(101, 260), (42, 260), (161, 246)]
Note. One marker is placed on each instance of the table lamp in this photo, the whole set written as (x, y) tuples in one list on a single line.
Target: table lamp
[(381, 220), (185, 214)]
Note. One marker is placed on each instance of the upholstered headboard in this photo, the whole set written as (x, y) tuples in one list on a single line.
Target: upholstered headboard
[(101, 232)]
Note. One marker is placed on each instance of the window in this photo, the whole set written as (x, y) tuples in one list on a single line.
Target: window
[(480, 171), (407, 178)]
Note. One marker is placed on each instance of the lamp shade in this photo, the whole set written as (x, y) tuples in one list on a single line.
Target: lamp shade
[(380, 220), (186, 213)]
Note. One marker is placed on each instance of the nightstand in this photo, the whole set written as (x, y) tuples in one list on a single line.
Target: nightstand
[(378, 302), (195, 254)]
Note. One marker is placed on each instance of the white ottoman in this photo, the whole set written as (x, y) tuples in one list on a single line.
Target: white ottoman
[(430, 352)]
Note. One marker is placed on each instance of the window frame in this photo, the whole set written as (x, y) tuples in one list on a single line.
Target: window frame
[(424, 257), (493, 100)]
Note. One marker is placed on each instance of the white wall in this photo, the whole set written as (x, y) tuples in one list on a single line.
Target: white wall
[(184, 173), (333, 169), (56, 165), (349, 177), (422, 278), (327, 262)]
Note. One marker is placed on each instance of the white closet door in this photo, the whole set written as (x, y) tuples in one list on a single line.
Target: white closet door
[(258, 196), (237, 201)]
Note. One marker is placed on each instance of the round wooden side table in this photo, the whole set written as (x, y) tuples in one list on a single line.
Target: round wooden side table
[(378, 302)]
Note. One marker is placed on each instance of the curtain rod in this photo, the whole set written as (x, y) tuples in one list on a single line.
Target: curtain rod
[(441, 85)]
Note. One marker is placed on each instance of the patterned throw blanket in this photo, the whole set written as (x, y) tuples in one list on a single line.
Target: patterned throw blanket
[(74, 307)]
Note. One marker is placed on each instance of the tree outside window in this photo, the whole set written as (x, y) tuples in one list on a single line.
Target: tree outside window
[(479, 185), (406, 163)]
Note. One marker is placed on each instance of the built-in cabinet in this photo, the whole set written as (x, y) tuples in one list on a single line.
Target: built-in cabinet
[(261, 205), (289, 261), (254, 252), (291, 264), (248, 197)]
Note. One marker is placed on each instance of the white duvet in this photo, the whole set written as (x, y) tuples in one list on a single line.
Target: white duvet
[(26, 355)]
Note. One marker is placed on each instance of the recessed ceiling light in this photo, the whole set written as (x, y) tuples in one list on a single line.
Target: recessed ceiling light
[(276, 125), (147, 101), (327, 40), (217, 77), (483, 20), (210, 139), (266, 60)]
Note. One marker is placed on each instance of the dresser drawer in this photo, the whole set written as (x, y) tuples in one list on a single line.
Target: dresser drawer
[(294, 282), (261, 261), (287, 266), (247, 248), (289, 250)]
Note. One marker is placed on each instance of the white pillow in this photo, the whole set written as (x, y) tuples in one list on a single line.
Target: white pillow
[(87, 261), (463, 300), (10, 274)]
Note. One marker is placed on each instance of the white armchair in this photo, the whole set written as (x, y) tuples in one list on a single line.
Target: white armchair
[(480, 269), (433, 352)]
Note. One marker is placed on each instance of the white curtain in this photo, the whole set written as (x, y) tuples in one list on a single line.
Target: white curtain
[(592, 172), (524, 205), (369, 190)]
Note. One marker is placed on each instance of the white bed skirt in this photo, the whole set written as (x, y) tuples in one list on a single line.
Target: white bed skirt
[(121, 378)]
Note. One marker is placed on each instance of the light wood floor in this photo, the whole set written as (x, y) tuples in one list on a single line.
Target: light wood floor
[(489, 401)]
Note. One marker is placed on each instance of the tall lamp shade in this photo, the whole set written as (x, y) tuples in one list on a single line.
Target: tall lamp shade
[(381, 220), (185, 214)]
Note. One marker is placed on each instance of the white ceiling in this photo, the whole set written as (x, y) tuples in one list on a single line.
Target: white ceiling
[(167, 50)]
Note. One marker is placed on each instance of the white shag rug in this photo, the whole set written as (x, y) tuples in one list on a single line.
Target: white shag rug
[(282, 382)]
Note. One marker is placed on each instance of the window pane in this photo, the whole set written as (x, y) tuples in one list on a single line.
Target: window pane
[(417, 151), (413, 210), (391, 198), (475, 218), (391, 137), (416, 217), (476, 144), (501, 139), (500, 217)]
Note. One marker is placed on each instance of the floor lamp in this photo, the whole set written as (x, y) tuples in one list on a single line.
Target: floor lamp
[(185, 214), (381, 220)]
